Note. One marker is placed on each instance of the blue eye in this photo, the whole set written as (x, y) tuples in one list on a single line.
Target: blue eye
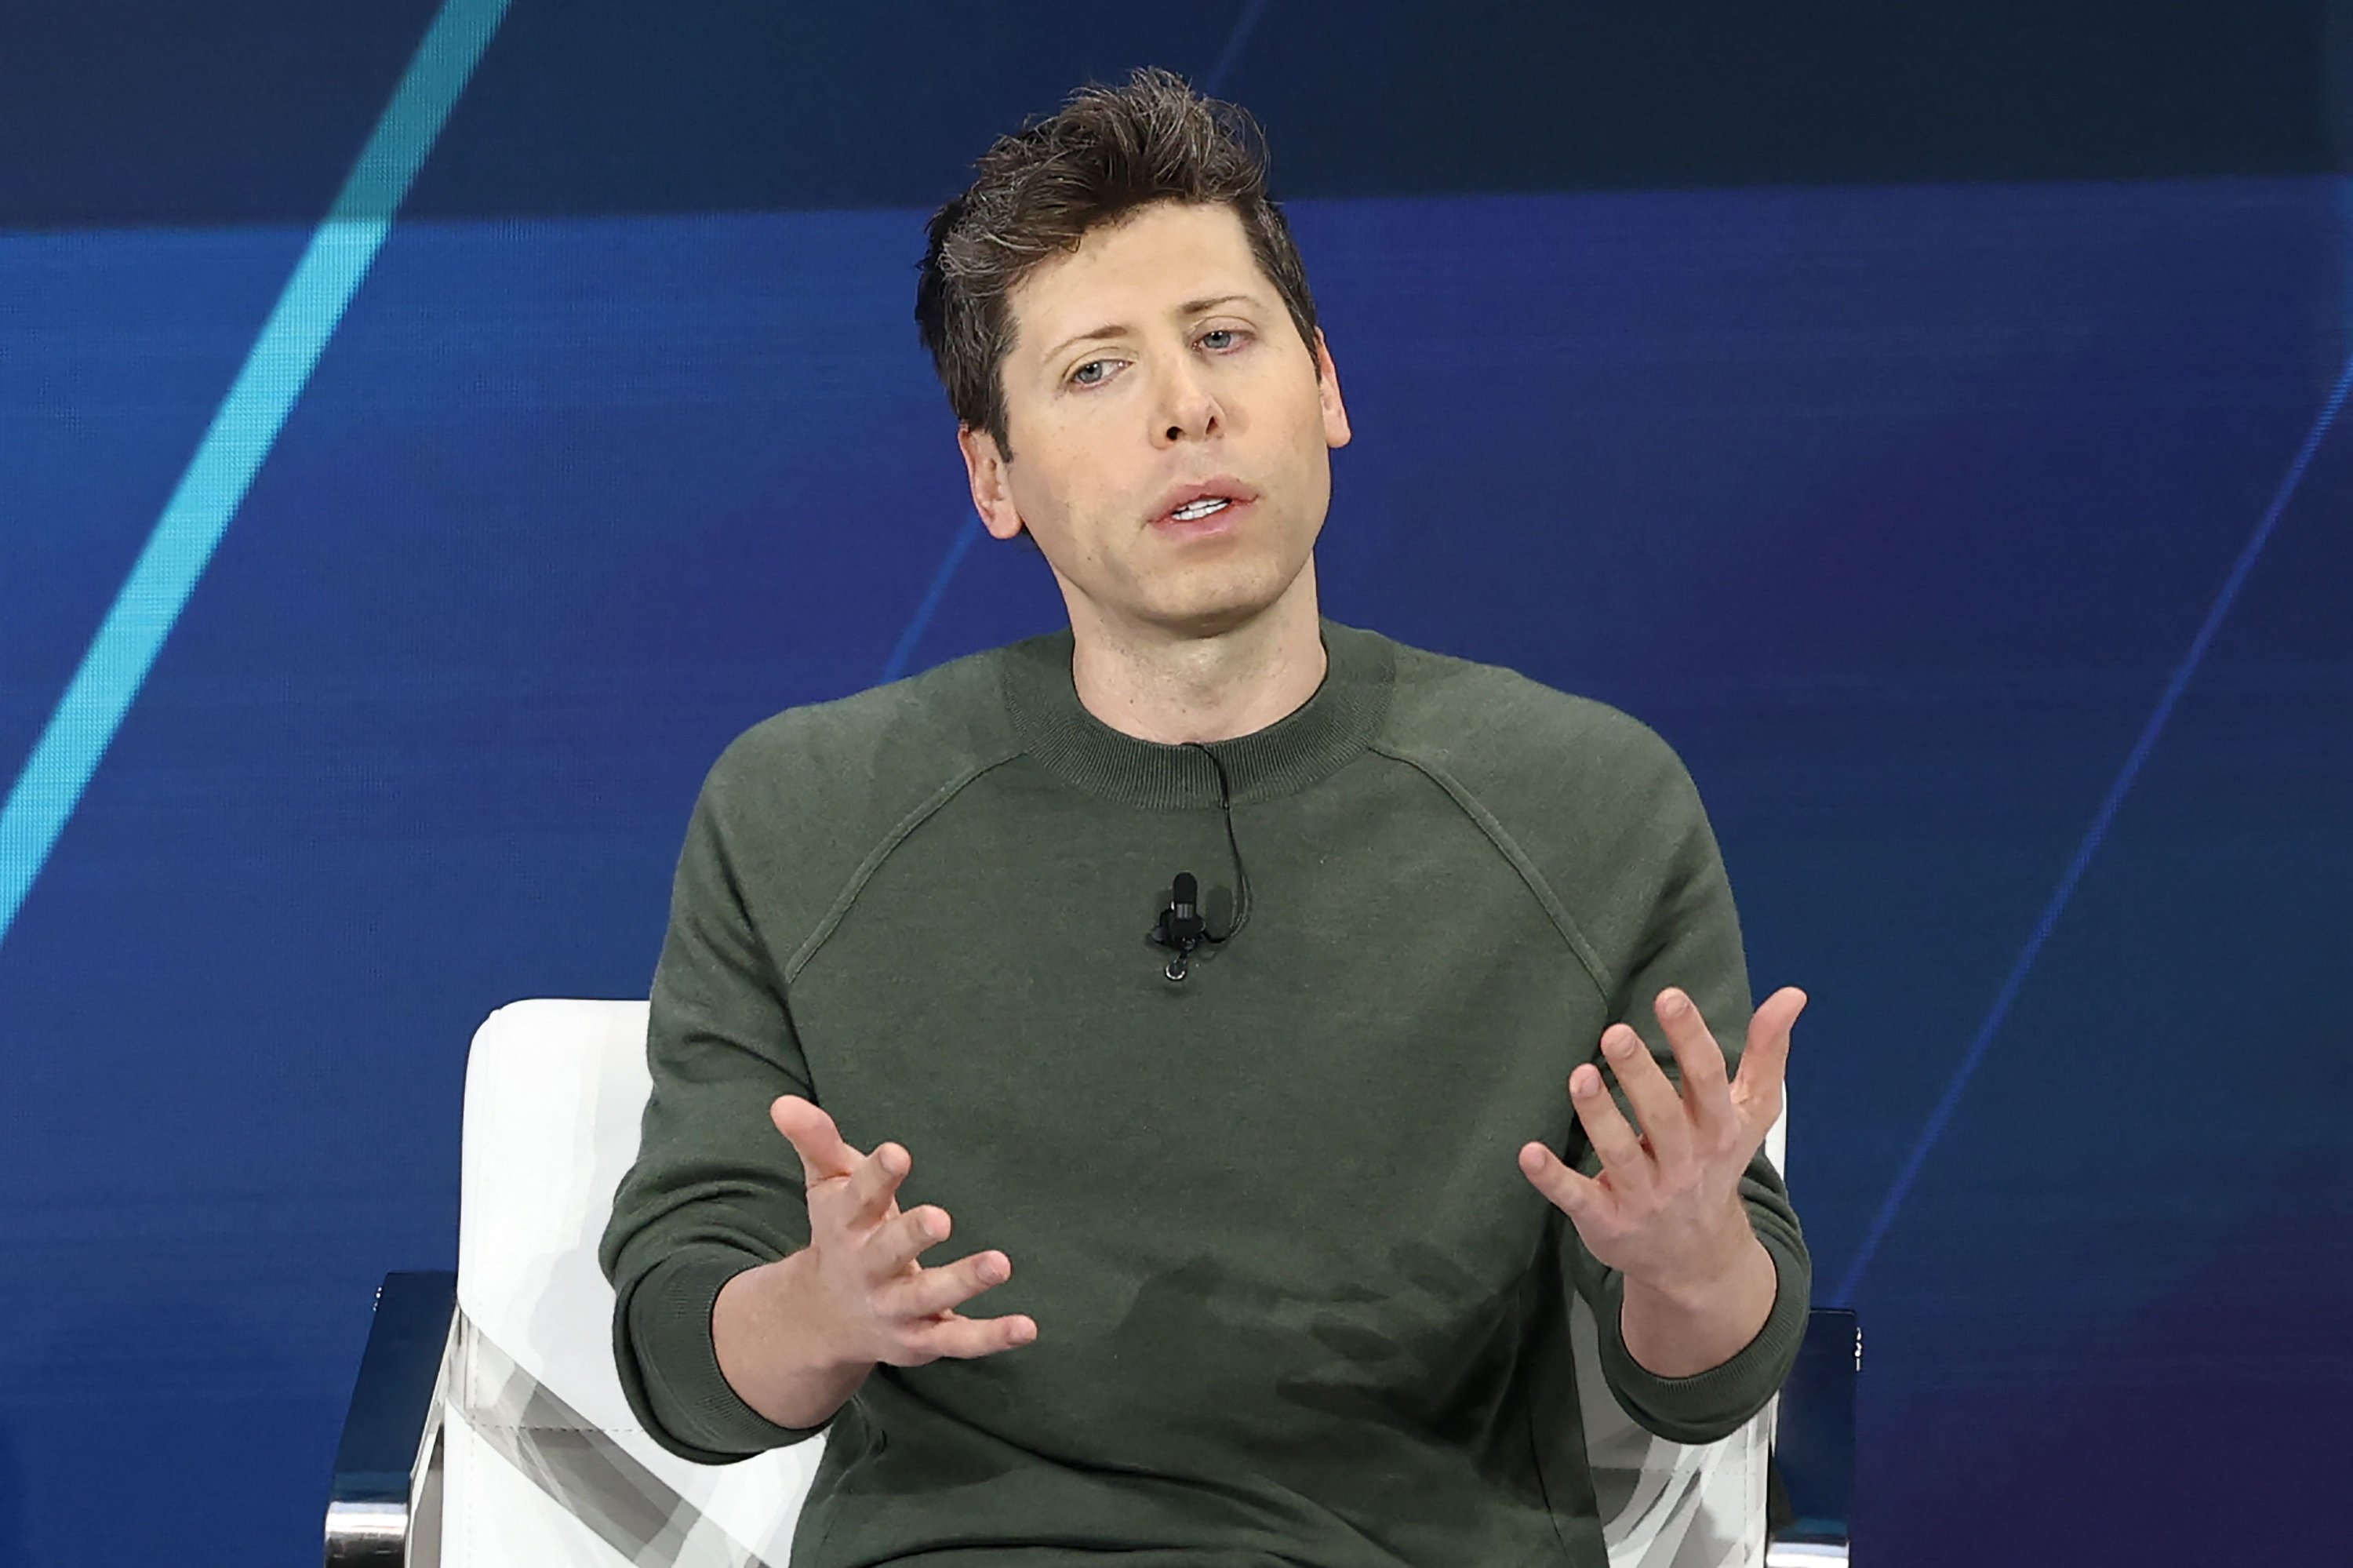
[(1217, 332), (1080, 376)]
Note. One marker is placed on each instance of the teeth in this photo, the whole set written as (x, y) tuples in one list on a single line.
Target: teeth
[(1193, 510)]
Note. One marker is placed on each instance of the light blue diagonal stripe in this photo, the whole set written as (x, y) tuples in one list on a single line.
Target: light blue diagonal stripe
[(1244, 25), (931, 595), (275, 369), (2102, 820)]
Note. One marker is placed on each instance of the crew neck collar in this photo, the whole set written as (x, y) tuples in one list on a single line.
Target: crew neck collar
[(1303, 745)]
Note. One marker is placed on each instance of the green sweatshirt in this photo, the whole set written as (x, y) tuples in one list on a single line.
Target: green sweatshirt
[(1296, 1303)]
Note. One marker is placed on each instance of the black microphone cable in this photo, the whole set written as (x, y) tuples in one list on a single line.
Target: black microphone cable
[(1181, 928), (1233, 847)]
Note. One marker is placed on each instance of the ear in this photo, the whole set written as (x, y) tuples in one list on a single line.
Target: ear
[(1327, 392), (984, 466)]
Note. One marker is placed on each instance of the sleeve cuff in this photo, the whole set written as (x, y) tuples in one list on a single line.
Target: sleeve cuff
[(1712, 1404), (671, 1368)]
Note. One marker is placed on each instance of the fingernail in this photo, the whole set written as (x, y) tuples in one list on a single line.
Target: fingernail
[(1674, 1003)]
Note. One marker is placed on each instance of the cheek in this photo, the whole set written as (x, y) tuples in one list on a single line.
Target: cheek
[(1305, 419), (1307, 455), (1060, 499), (1037, 487)]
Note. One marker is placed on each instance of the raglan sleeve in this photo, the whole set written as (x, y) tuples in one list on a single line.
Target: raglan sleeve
[(1688, 935), (715, 1189)]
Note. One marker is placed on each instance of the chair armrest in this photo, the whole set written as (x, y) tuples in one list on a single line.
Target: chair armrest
[(386, 1465), (1813, 1443)]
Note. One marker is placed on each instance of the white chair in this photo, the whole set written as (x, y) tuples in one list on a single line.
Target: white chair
[(515, 1444)]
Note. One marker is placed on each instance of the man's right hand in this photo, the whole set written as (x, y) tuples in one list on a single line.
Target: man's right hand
[(795, 1338), (872, 1302)]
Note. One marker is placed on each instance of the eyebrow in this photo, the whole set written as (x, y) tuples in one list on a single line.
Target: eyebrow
[(1116, 329)]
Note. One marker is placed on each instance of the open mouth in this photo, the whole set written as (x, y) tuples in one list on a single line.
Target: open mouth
[(1194, 510)]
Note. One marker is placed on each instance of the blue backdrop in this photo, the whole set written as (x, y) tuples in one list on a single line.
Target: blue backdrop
[(1982, 546)]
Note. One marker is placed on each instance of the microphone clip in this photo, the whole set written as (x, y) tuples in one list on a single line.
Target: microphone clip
[(1181, 928)]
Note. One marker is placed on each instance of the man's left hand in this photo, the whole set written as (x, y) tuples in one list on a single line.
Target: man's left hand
[(1666, 1208)]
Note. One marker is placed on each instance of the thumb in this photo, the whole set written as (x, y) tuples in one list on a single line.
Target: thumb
[(1765, 1059), (814, 1137)]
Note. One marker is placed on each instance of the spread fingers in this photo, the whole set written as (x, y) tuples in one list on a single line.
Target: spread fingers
[(1612, 1137), (874, 1183), (967, 1338), (929, 1292), (1657, 1105), (906, 1238)]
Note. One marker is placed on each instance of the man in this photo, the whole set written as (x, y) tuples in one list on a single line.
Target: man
[(1262, 1193)]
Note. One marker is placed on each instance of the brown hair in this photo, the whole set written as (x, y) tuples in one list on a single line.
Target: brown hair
[(1108, 152)]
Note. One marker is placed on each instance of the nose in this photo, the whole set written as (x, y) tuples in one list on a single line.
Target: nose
[(1186, 408)]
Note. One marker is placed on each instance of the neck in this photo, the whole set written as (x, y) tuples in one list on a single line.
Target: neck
[(1172, 688)]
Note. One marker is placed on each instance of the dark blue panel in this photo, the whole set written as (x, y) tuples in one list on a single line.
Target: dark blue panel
[(243, 111), (1893, 509)]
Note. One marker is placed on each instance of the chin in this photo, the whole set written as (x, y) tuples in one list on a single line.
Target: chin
[(1209, 614), (1210, 622)]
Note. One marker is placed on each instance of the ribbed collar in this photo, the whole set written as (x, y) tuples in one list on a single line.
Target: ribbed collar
[(1305, 745)]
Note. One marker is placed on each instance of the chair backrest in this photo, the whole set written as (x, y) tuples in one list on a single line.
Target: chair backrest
[(545, 1463), (1665, 1504)]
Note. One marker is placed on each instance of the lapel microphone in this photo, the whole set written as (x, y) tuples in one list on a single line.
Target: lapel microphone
[(1181, 926)]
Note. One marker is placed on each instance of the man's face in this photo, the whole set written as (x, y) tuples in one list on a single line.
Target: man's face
[(1154, 360)]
